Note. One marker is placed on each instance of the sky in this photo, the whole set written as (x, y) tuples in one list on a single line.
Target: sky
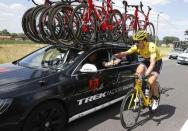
[(173, 15)]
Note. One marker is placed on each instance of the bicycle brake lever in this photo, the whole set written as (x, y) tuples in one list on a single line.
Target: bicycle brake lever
[(141, 7), (149, 8)]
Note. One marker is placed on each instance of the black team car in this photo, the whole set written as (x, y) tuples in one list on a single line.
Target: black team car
[(56, 85)]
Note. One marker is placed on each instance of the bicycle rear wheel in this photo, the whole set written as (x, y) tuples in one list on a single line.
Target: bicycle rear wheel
[(128, 29), (83, 25), (34, 23), (59, 24), (26, 25), (150, 29), (130, 110), (116, 23)]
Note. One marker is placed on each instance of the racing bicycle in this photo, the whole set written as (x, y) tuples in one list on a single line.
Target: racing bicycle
[(136, 100), (134, 22), (88, 20)]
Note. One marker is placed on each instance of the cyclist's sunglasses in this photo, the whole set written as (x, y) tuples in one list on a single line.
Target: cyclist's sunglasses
[(136, 42)]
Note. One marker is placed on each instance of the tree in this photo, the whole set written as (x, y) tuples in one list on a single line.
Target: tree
[(14, 35), (170, 39), (5, 32)]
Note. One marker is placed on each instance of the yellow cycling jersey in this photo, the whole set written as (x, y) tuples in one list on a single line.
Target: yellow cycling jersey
[(150, 50)]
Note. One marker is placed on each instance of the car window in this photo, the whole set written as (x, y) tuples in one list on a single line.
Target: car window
[(96, 58), (126, 60)]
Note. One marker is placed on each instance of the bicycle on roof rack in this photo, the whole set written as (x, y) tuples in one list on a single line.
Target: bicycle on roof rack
[(90, 23), (59, 22), (41, 28), (132, 23)]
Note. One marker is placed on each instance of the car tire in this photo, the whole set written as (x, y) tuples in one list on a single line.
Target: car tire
[(169, 57), (47, 116)]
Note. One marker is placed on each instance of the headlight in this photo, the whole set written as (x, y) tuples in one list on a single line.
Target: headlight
[(4, 105), (179, 58)]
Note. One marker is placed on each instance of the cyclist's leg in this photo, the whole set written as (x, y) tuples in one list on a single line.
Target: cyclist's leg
[(152, 82), (155, 93), (153, 78), (140, 71)]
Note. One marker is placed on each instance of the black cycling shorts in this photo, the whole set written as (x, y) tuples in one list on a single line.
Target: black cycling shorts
[(158, 65)]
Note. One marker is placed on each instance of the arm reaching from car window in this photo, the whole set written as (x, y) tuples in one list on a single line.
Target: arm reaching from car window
[(111, 63), (117, 57)]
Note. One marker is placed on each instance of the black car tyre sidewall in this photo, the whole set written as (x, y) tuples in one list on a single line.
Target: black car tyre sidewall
[(28, 123)]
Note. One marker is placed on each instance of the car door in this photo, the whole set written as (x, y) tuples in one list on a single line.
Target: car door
[(90, 91), (118, 82)]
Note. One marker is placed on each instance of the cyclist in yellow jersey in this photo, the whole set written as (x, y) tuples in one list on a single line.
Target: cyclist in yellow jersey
[(151, 65)]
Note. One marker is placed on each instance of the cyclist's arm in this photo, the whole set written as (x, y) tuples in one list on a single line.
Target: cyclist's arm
[(128, 52)]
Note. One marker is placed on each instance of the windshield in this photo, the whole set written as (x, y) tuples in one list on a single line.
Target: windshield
[(50, 58)]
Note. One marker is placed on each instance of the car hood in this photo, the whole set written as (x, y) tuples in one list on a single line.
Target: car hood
[(14, 76), (183, 55)]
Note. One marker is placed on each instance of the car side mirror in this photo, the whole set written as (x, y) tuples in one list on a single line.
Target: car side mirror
[(88, 68)]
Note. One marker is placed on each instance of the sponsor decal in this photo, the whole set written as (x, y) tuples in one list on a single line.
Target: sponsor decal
[(91, 98), (102, 95), (3, 70), (94, 84)]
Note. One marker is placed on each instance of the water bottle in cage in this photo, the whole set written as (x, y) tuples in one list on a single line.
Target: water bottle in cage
[(147, 92)]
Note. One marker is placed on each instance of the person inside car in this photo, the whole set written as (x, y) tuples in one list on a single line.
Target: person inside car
[(151, 66), (97, 59)]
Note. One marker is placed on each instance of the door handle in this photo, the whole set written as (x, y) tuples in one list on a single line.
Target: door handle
[(42, 83)]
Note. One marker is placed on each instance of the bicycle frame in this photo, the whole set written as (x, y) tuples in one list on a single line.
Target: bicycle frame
[(93, 9), (136, 24), (138, 88)]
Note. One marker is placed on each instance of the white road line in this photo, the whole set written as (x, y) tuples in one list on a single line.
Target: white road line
[(185, 126)]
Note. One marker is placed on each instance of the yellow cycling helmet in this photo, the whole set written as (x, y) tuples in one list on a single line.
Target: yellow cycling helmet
[(140, 35)]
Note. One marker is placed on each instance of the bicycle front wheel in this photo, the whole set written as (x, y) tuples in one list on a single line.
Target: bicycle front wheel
[(130, 110), (150, 29)]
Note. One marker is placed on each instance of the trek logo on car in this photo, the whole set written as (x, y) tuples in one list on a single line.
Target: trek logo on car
[(102, 95), (91, 98)]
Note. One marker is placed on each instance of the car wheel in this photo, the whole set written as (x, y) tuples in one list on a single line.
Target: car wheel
[(169, 57), (49, 116)]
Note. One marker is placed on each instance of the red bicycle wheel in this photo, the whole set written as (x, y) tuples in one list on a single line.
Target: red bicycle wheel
[(150, 29), (116, 25), (83, 25), (128, 29)]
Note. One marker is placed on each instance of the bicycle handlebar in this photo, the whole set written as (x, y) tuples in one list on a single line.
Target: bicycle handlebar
[(51, 2), (141, 7), (137, 77), (127, 5), (136, 6)]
